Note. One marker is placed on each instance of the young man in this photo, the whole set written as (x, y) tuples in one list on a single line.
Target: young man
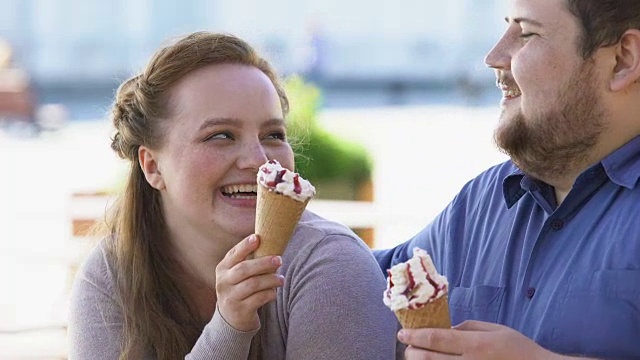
[(548, 244)]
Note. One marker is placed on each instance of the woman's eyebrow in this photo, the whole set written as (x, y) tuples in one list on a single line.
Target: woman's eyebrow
[(275, 121), (218, 121)]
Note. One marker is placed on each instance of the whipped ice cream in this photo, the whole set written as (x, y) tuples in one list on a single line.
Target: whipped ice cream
[(284, 181), (414, 283)]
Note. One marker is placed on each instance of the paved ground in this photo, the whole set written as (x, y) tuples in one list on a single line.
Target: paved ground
[(423, 155)]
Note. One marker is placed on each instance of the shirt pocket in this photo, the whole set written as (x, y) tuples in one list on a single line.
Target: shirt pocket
[(604, 311), (475, 303)]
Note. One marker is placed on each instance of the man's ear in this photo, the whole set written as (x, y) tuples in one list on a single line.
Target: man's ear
[(627, 68), (150, 167)]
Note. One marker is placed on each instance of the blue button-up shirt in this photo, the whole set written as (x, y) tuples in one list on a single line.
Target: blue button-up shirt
[(566, 276)]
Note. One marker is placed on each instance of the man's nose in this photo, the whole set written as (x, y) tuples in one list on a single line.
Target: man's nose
[(499, 57)]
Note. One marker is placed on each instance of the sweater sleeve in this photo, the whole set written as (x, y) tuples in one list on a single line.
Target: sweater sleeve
[(96, 321), (95, 318), (219, 340), (335, 304)]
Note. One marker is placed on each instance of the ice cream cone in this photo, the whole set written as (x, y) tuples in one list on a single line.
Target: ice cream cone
[(434, 314), (276, 218)]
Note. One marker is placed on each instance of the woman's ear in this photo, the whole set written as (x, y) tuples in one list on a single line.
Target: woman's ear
[(150, 167), (627, 68)]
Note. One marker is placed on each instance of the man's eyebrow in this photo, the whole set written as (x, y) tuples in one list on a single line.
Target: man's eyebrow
[(519, 20)]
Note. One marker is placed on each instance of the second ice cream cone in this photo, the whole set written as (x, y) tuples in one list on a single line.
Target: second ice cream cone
[(433, 315), (277, 216)]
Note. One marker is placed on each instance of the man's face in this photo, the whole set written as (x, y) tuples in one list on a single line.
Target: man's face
[(552, 112)]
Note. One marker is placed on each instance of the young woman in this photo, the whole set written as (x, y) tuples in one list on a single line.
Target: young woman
[(174, 278)]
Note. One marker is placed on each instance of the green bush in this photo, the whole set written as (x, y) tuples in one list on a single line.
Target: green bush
[(336, 166)]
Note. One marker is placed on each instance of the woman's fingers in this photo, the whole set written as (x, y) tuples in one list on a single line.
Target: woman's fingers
[(255, 284), (236, 260), (253, 267), (241, 251), (244, 285)]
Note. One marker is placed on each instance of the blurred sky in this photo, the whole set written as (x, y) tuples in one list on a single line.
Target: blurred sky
[(71, 41)]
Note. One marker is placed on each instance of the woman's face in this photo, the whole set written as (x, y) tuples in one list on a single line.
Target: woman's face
[(227, 121)]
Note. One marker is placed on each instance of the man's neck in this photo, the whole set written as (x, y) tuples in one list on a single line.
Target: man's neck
[(561, 194), (563, 184)]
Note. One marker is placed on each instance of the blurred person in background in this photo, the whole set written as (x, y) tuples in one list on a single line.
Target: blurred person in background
[(174, 277), (542, 252), (17, 100)]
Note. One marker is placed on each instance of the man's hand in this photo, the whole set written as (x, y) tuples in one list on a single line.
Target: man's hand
[(471, 340), (244, 285)]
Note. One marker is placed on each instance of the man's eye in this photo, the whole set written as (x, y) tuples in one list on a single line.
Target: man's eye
[(222, 135), (526, 35)]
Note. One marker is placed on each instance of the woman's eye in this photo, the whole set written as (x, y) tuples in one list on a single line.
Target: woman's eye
[(277, 135), (526, 35)]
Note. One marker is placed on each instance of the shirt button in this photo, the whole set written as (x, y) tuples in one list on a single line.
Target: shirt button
[(530, 292), (557, 224)]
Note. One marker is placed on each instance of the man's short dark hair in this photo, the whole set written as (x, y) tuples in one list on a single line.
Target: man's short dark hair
[(604, 21)]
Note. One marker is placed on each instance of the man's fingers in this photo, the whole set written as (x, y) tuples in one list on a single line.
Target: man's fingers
[(446, 341), (478, 326), (413, 353)]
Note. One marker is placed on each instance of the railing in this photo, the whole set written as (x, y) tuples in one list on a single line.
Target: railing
[(86, 209)]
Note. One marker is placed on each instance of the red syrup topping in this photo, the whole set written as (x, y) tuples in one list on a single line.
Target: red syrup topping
[(296, 184), (431, 281), (278, 179), (390, 283), (412, 282)]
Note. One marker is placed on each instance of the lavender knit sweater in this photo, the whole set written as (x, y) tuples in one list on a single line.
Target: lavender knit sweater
[(329, 308)]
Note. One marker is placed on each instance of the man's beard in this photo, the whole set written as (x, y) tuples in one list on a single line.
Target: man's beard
[(556, 143)]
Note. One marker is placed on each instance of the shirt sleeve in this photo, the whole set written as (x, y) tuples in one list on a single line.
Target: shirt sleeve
[(435, 238), (335, 304)]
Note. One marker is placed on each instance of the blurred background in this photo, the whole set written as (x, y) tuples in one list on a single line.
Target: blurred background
[(394, 94)]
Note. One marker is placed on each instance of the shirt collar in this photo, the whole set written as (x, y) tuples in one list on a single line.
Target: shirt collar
[(622, 167), (512, 187)]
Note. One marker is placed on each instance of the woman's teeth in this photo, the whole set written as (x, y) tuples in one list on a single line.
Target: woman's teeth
[(245, 191)]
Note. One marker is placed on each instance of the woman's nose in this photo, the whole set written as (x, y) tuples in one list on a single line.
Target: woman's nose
[(253, 156)]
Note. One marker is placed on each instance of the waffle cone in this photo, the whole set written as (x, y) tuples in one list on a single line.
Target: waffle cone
[(277, 216), (433, 315)]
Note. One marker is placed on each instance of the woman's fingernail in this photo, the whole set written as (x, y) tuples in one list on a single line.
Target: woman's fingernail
[(276, 260), (252, 239)]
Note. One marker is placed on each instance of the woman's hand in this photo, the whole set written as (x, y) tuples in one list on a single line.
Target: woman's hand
[(244, 285)]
